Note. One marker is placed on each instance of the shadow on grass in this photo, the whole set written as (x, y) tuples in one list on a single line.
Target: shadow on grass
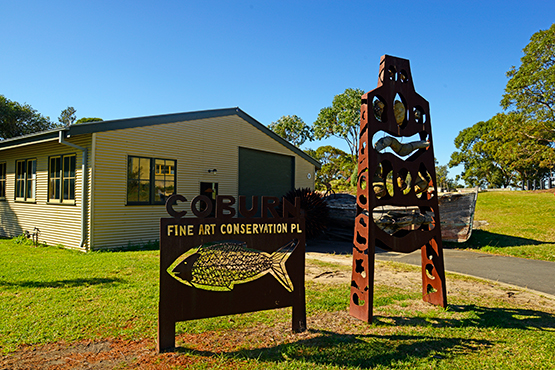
[(363, 351), (68, 283), (482, 238), (367, 351), (148, 246), (482, 317)]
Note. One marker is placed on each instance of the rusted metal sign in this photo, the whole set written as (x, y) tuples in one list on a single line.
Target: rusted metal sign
[(396, 171), (228, 265)]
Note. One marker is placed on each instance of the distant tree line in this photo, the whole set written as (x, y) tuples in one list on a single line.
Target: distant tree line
[(516, 148), (18, 119)]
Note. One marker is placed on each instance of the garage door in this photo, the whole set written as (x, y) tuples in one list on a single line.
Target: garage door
[(265, 173)]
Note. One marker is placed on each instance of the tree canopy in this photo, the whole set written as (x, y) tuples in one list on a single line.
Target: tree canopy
[(531, 87), (335, 165), (88, 119), (341, 120), (480, 167), (519, 146), (292, 129), (496, 153), (20, 119), (67, 117)]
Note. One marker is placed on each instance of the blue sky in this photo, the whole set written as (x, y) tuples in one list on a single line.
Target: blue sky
[(120, 59)]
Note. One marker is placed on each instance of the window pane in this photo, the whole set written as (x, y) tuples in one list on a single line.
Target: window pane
[(138, 180), (160, 192), (144, 191), (160, 168), (69, 189), (69, 178), (133, 168), (72, 189), (20, 171), (54, 189), (55, 176), (2, 180), (31, 178), (170, 178), (132, 191), (55, 167), (144, 169), (170, 165), (69, 166)]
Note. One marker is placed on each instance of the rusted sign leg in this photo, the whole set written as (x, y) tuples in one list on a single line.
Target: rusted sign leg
[(433, 274), (166, 335), (298, 324), (362, 282)]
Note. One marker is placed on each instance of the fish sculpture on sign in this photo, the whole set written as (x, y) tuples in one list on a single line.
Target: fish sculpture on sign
[(221, 265)]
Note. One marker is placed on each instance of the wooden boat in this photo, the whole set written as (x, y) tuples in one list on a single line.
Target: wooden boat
[(456, 214)]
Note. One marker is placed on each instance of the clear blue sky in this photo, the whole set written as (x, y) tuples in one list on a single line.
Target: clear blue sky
[(120, 59)]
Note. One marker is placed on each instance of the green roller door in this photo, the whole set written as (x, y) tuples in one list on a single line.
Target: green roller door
[(265, 173)]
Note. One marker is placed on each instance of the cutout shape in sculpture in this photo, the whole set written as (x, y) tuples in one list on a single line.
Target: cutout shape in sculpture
[(401, 221), (380, 109), (400, 110), (221, 265), (403, 76), (392, 73), (378, 183), (401, 149), (419, 115), (422, 182), (403, 181)]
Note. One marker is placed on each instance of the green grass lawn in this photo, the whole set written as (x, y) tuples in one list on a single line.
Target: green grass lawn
[(49, 294), (519, 223)]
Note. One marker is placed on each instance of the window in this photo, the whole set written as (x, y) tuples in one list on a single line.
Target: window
[(150, 180), (2, 180), (61, 174), (25, 179)]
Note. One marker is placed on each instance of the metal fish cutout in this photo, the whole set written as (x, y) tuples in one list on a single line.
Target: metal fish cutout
[(219, 266)]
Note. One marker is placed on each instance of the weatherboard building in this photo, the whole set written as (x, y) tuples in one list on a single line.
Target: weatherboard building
[(131, 166)]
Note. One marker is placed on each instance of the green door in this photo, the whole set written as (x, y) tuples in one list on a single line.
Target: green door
[(265, 173)]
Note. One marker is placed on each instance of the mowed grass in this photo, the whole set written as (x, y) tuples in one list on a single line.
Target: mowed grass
[(49, 294), (519, 223)]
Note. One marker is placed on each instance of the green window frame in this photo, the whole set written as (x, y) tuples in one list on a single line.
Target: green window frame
[(61, 179), (3, 180), (25, 180), (150, 180)]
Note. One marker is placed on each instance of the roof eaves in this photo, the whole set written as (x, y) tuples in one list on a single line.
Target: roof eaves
[(278, 138), (34, 138)]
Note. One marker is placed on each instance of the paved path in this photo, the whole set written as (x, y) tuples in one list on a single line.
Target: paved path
[(531, 274)]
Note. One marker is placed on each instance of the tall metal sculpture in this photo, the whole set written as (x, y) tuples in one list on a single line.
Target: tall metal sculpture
[(396, 183)]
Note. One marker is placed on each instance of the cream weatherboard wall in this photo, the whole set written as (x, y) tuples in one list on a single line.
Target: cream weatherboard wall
[(58, 223), (196, 146)]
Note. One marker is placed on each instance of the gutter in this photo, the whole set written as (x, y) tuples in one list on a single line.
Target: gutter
[(61, 140)]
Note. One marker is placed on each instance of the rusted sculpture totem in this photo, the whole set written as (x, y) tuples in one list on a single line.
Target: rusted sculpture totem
[(404, 177)]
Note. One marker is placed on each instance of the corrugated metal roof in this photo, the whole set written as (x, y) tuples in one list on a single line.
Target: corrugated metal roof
[(119, 124)]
